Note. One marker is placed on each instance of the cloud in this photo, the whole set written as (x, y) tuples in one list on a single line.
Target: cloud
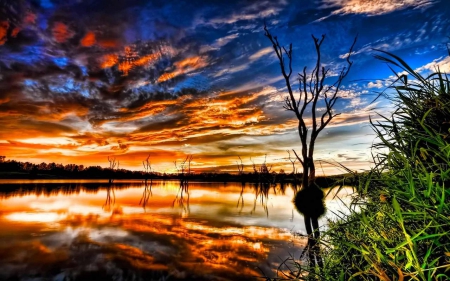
[(225, 40), (231, 70), (378, 84), (442, 64), (61, 32), (254, 11), (183, 67), (372, 7), (4, 25), (143, 80), (262, 53)]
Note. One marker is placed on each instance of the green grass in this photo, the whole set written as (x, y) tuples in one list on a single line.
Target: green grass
[(401, 230)]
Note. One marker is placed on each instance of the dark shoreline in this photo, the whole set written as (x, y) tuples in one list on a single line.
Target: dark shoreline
[(323, 181)]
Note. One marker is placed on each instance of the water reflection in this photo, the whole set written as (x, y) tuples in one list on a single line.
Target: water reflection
[(240, 201), (190, 231), (146, 194), (182, 198), (109, 200)]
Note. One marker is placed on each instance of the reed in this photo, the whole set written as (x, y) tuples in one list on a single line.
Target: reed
[(402, 230), (398, 226)]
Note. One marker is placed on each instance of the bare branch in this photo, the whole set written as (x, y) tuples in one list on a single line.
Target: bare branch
[(299, 159), (240, 166), (312, 88)]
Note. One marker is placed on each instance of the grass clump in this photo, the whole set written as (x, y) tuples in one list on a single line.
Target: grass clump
[(402, 230)]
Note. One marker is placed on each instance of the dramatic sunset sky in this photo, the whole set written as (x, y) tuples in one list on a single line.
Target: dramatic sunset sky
[(81, 80)]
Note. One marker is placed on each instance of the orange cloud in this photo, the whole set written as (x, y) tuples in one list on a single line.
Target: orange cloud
[(183, 67), (4, 25), (373, 7), (88, 40), (194, 62), (109, 60), (147, 59), (5, 100), (131, 59), (29, 18), (167, 76), (108, 43), (61, 32), (15, 31), (125, 67)]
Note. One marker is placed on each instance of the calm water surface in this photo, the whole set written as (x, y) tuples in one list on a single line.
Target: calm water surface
[(87, 230)]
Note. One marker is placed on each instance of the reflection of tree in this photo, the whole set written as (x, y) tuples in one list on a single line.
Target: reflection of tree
[(240, 167), (241, 198), (261, 193), (147, 185), (146, 194), (109, 200), (182, 198), (184, 172)]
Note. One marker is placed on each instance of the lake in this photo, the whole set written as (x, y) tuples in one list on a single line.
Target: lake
[(90, 230)]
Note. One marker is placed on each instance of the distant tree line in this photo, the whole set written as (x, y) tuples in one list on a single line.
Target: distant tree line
[(27, 170)]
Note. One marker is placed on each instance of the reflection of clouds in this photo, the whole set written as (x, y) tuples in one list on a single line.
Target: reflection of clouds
[(150, 244), (45, 217), (215, 239), (212, 240)]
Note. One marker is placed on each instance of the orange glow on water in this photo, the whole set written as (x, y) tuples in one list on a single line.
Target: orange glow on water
[(208, 235)]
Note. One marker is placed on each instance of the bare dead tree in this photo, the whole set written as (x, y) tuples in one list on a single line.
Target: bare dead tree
[(312, 89), (113, 164), (147, 167), (184, 171), (240, 166), (265, 169), (255, 170), (292, 160), (189, 160), (262, 173), (147, 193), (185, 166)]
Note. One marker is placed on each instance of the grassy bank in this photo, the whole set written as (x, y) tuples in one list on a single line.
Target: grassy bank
[(402, 229)]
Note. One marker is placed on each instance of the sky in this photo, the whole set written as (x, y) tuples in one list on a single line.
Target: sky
[(81, 80)]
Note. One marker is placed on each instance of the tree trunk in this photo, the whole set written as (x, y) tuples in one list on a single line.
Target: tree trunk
[(311, 223), (309, 245), (315, 246)]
